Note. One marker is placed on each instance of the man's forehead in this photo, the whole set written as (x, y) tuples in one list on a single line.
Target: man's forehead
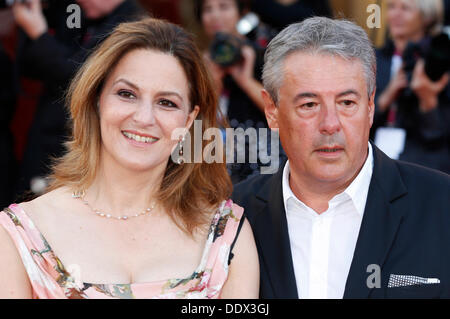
[(315, 72), (312, 60)]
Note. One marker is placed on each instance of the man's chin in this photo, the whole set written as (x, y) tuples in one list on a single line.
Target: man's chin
[(329, 173)]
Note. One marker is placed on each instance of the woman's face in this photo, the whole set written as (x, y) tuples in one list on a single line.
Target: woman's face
[(143, 100), (219, 16), (405, 19)]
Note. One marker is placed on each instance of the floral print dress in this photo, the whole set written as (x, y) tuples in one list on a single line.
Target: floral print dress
[(49, 278)]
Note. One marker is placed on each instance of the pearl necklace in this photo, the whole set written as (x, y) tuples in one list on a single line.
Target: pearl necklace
[(82, 193)]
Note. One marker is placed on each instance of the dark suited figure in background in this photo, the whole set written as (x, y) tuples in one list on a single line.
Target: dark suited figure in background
[(8, 92), (51, 52), (340, 219), (280, 13), (446, 12)]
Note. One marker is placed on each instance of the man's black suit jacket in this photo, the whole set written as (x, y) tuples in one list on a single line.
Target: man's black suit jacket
[(405, 230)]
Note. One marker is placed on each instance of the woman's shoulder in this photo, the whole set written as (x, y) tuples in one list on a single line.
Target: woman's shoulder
[(39, 207)]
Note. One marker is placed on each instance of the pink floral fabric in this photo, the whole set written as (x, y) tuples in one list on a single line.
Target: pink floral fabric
[(51, 279)]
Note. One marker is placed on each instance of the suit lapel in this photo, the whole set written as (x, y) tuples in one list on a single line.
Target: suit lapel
[(379, 225), (271, 226)]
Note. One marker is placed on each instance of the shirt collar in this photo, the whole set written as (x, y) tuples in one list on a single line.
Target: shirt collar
[(357, 190)]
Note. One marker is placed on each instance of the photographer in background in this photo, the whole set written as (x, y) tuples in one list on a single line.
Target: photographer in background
[(413, 111), (51, 52), (223, 16), (238, 83)]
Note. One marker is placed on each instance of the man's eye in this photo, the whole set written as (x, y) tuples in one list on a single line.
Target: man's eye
[(167, 103), (309, 105), (348, 103), (126, 94)]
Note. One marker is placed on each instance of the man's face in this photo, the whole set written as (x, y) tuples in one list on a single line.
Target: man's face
[(324, 115)]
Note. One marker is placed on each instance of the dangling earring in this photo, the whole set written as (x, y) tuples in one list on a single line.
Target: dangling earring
[(180, 151)]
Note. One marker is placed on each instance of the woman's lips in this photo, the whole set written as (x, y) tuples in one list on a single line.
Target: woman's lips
[(139, 139)]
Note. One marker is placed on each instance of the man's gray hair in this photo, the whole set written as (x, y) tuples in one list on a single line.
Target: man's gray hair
[(322, 36)]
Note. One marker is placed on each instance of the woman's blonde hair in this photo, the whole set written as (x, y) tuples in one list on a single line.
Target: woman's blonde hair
[(432, 12), (189, 191)]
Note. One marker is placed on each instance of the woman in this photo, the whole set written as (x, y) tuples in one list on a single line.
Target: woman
[(121, 219), (406, 97)]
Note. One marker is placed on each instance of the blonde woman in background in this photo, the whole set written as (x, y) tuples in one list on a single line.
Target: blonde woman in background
[(408, 99)]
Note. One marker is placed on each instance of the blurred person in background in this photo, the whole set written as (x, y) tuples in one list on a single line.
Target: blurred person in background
[(412, 111), (280, 13), (239, 84), (50, 51)]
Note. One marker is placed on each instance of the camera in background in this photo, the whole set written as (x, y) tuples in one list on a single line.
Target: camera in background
[(225, 49), (436, 53)]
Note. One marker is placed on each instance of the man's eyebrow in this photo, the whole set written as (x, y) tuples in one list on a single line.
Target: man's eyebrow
[(349, 92), (314, 95), (304, 95)]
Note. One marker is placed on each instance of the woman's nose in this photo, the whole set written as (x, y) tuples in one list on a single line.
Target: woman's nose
[(144, 113)]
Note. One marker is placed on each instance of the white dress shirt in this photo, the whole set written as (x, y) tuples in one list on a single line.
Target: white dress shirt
[(322, 245)]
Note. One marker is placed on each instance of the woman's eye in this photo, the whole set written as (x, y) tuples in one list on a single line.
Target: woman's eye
[(167, 103), (126, 94)]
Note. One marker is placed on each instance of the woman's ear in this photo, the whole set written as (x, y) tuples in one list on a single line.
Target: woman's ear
[(192, 116)]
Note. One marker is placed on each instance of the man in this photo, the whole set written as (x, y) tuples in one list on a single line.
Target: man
[(340, 219)]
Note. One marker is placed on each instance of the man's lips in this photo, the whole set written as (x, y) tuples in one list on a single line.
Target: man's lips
[(329, 149)]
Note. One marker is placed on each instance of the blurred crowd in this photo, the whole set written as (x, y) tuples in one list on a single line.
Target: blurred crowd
[(42, 53)]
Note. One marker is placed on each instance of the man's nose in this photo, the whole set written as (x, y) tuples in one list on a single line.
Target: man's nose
[(329, 120)]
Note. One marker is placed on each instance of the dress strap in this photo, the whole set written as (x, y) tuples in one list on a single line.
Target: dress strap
[(34, 253), (222, 234)]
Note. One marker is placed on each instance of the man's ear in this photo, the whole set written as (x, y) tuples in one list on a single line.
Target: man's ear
[(270, 109), (371, 107)]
